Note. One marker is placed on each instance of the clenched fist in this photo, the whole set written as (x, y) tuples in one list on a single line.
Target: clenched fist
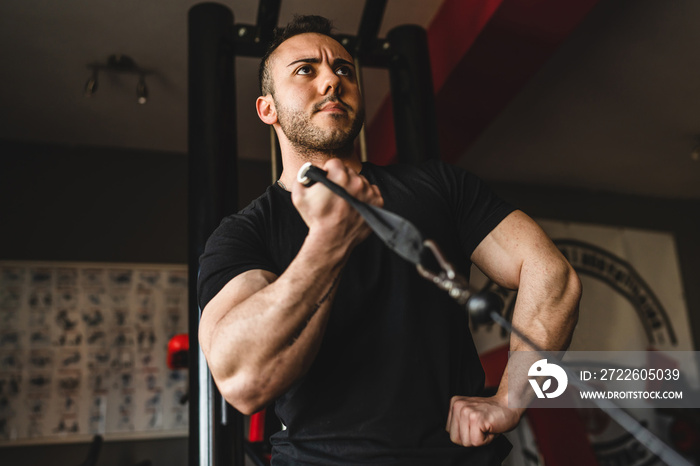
[(475, 421), (331, 219)]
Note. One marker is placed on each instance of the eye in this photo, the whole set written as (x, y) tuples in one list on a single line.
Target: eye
[(344, 71), (304, 70)]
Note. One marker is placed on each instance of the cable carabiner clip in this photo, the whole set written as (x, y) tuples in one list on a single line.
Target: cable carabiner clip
[(446, 279)]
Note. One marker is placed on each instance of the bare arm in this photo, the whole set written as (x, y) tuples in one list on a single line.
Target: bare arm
[(517, 254), (261, 332)]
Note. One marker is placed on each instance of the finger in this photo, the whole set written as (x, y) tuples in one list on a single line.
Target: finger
[(375, 196), (337, 171), (367, 188), (332, 164), (454, 431), (449, 415), (357, 186), (455, 425), (482, 439), (480, 431), (476, 433), (451, 412), (466, 428)]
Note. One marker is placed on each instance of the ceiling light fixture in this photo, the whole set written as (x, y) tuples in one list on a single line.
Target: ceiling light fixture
[(91, 85), (141, 91), (119, 64)]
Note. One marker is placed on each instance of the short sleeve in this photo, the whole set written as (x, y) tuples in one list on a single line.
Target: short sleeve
[(236, 246), (476, 209)]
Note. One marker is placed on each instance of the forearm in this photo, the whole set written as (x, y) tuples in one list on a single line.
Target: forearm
[(546, 311), (260, 346), (546, 308)]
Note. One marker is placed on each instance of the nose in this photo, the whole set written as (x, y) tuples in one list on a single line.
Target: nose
[(329, 82)]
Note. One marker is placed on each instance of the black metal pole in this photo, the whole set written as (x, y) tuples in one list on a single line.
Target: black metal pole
[(215, 428), (412, 95), (268, 14), (371, 21)]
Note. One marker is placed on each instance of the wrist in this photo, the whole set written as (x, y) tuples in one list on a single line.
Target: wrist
[(502, 398), (327, 246)]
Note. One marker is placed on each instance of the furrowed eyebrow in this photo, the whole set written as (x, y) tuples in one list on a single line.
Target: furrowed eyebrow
[(336, 62), (342, 61), (305, 60)]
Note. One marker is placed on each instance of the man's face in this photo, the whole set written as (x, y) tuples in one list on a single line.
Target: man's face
[(315, 93)]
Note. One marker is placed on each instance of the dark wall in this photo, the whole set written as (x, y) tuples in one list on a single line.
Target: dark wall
[(62, 203), (92, 204)]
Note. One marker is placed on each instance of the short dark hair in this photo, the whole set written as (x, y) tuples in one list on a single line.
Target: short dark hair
[(299, 25)]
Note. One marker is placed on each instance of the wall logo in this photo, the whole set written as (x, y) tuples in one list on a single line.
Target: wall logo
[(543, 369)]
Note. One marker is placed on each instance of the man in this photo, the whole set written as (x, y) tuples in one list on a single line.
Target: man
[(368, 363)]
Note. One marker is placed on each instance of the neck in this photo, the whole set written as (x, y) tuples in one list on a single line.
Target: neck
[(293, 159)]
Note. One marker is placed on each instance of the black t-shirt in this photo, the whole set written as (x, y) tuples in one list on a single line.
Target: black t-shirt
[(396, 348)]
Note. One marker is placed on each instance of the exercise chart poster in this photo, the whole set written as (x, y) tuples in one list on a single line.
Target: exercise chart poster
[(83, 350)]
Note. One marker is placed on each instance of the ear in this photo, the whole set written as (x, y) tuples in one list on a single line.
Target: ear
[(266, 109)]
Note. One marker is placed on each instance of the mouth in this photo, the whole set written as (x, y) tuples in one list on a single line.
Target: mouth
[(333, 108), (332, 105)]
